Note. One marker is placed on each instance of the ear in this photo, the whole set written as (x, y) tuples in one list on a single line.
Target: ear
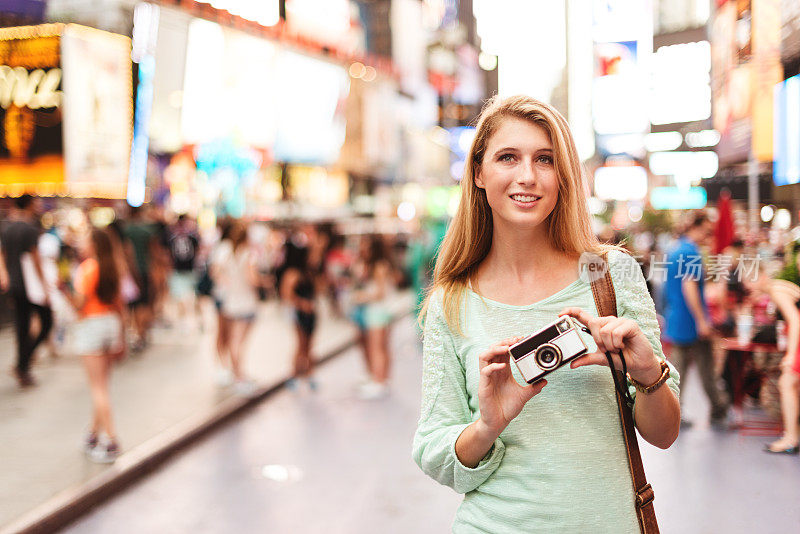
[(479, 179)]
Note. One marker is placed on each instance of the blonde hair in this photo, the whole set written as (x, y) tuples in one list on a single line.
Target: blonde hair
[(469, 237)]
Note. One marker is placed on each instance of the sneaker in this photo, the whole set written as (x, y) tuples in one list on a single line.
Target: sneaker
[(245, 388), (105, 453), (90, 442), (223, 377), (372, 391)]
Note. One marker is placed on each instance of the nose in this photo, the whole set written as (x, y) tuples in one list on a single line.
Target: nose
[(527, 174)]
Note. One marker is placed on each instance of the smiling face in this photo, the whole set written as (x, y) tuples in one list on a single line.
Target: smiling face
[(518, 174)]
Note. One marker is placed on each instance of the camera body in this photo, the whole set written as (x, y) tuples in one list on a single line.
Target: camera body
[(548, 349)]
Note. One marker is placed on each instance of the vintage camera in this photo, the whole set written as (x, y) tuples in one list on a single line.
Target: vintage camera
[(548, 349)]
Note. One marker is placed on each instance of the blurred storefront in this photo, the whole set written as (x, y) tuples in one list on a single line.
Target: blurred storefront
[(786, 172), (66, 110), (256, 110), (681, 141), (745, 51)]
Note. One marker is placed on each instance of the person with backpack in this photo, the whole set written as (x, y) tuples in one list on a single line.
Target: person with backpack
[(183, 245)]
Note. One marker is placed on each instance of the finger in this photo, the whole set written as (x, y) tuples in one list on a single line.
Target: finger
[(622, 331), (535, 389), (615, 359), (593, 358), (493, 353), (508, 341), (595, 327), (607, 337), (492, 368), (578, 313)]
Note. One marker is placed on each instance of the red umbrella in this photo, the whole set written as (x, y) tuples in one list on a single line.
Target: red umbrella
[(724, 232)]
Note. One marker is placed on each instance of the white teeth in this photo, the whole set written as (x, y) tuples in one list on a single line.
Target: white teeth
[(524, 198)]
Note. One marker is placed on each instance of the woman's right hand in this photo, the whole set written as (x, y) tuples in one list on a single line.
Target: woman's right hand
[(500, 397)]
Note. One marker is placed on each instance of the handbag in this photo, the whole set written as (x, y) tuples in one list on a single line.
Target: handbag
[(606, 302)]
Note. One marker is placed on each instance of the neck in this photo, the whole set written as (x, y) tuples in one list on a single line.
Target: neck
[(522, 253)]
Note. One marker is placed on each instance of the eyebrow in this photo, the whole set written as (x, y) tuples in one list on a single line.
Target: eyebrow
[(515, 149)]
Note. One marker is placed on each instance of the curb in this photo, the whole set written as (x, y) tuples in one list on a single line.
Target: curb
[(72, 503)]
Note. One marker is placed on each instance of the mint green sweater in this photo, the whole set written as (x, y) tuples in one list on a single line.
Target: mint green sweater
[(560, 466)]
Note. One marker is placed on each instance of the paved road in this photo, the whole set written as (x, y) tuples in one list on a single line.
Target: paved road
[(327, 462), (41, 429)]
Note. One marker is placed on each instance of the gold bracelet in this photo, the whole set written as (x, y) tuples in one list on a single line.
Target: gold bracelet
[(655, 385)]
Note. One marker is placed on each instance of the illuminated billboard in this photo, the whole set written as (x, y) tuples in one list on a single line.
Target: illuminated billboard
[(31, 146), (229, 87), (98, 111), (65, 110), (622, 31), (310, 107), (786, 169), (254, 93), (675, 198), (681, 83), (745, 60)]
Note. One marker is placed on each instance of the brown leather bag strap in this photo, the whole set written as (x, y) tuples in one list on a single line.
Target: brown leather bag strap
[(606, 301)]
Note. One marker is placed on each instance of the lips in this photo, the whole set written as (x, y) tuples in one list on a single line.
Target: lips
[(525, 198)]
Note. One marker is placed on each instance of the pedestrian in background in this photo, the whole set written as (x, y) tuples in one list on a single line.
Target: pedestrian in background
[(19, 238), (688, 325), (338, 264), (786, 297), (298, 290), (141, 234), (47, 295), (374, 282), (236, 280), (207, 286), (183, 245), (99, 336)]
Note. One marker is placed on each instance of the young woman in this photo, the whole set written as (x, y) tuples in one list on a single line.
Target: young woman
[(374, 282), (548, 457), (207, 287), (786, 297), (236, 278), (99, 336), (298, 290)]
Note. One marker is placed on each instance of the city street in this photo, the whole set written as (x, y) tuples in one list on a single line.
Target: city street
[(217, 218), (170, 383), (304, 462)]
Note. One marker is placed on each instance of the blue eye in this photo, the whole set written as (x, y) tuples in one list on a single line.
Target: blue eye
[(506, 157), (545, 159)]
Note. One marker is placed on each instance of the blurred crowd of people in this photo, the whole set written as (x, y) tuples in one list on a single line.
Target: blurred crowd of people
[(98, 290), (729, 307)]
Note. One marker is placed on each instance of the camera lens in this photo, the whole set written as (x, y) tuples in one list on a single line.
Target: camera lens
[(548, 356)]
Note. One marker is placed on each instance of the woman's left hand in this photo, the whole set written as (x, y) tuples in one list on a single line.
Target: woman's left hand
[(612, 334)]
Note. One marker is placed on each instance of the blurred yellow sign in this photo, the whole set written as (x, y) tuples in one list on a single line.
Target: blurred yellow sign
[(66, 111)]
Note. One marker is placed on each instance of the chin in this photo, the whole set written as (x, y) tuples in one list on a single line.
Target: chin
[(527, 220)]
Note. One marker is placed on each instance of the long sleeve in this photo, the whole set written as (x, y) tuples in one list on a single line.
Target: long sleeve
[(634, 302), (445, 410)]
